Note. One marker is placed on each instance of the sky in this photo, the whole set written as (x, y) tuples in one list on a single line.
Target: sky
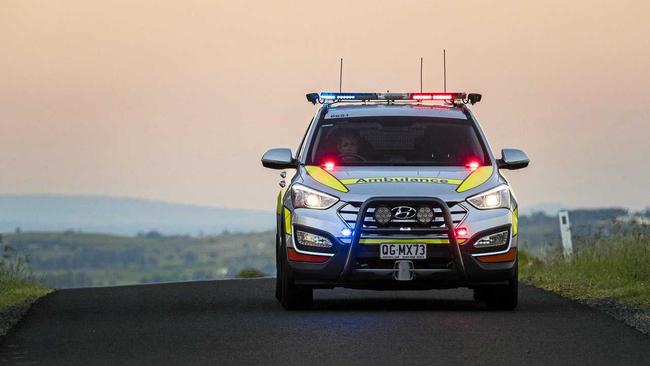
[(178, 100)]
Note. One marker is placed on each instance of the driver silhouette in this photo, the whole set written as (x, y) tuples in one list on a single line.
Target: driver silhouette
[(348, 146)]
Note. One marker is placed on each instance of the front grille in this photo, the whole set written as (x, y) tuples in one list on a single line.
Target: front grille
[(402, 227)]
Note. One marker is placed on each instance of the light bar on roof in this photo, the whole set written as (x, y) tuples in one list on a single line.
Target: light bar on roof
[(330, 97)]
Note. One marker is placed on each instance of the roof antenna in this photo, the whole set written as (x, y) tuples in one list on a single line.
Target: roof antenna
[(341, 76), (421, 61), (444, 69)]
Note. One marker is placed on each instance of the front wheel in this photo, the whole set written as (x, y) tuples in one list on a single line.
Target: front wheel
[(500, 297), (278, 265), (291, 296)]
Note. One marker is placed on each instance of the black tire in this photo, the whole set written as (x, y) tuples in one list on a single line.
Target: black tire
[(278, 289), (292, 297), (480, 294), (503, 297)]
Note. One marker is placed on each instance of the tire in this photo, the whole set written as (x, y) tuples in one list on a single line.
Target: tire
[(503, 297), (480, 294), (278, 288), (291, 296)]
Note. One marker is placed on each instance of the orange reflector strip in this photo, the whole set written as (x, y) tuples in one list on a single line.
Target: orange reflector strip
[(299, 257), (505, 257)]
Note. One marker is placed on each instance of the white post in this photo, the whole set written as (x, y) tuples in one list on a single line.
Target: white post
[(565, 231)]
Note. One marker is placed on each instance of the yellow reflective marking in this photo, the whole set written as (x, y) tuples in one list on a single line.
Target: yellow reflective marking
[(287, 221), (407, 241), (279, 206), (478, 177), (515, 221), (325, 178), (433, 180)]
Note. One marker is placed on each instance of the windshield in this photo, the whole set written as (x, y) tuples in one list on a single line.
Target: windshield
[(396, 141)]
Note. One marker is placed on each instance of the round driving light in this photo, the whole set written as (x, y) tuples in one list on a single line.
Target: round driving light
[(383, 215), (424, 215), (346, 232)]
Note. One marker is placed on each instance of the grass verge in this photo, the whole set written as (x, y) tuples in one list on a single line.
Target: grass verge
[(18, 288), (615, 268), (15, 299)]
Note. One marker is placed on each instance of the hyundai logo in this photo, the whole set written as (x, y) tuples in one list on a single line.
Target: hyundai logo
[(403, 212)]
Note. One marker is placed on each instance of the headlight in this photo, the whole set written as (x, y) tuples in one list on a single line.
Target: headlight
[(304, 197), (498, 197)]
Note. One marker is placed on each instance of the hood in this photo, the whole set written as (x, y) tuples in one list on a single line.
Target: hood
[(357, 183)]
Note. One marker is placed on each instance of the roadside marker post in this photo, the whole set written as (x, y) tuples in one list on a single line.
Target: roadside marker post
[(565, 231)]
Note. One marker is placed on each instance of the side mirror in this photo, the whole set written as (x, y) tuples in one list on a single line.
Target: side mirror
[(278, 159), (513, 159)]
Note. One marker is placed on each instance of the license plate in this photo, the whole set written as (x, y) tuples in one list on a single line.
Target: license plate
[(403, 251)]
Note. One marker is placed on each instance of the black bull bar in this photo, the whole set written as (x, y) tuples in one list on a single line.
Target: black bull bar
[(436, 202)]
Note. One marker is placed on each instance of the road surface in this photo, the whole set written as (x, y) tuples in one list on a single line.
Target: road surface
[(239, 322)]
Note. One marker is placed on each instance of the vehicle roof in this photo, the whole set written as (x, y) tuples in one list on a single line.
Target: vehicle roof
[(348, 110)]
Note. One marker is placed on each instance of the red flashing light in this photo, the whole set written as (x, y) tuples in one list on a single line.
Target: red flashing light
[(432, 96), (443, 97), (461, 232), (473, 165), (421, 97), (329, 166)]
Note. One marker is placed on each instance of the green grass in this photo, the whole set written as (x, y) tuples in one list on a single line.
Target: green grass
[(15, 298), (18, 293), (250, 273), (18, 289), (615, 267)]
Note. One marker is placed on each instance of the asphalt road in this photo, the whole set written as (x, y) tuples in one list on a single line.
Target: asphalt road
[(239, 322)]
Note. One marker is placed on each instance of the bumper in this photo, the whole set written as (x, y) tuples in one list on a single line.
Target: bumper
[(352, 264)]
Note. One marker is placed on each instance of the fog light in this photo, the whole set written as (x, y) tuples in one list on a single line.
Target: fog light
[(424, 215), (492, 240), (346, 232), (383, 215), (312, 240)]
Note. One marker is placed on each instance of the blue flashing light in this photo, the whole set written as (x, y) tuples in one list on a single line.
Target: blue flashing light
[(330, 96)]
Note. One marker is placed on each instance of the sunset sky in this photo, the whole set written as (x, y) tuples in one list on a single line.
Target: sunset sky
[(179, 101)]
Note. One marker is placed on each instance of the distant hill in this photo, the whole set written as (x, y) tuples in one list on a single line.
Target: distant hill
[(550, 208), (70, 259), (123, 216)]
